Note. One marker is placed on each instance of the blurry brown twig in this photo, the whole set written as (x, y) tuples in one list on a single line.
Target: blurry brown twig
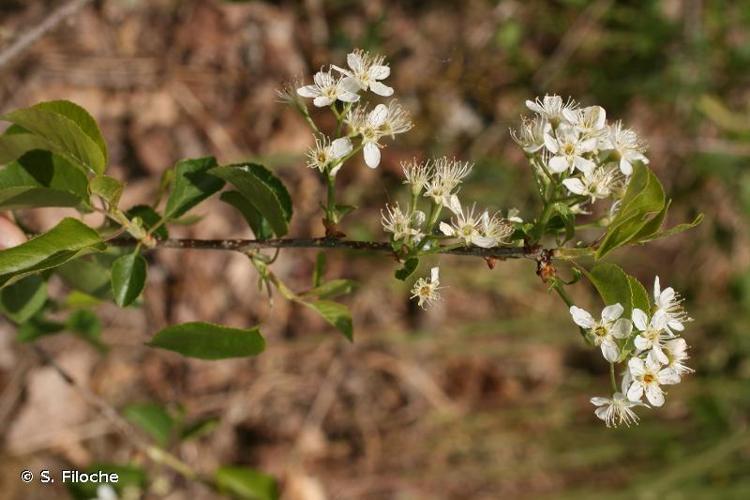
[(242, 245), (31, 35)]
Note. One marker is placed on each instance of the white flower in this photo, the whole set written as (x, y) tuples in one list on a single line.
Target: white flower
[(616, 410), (328, 89), (467, 228), (105, 492), (626, 146), (447, 174), (513, 215), (402, 226), (591, 121), (568, 149), (669, 301), (495, 228), (426, 291), (598, 183), (365, 71), (648, 377), (551, 108), (328, 153), (530, 136), (606, 331), (653, 334), (382, 120), (676, 351), (417, 175)]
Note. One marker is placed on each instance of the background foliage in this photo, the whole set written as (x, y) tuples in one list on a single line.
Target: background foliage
[(483, 397)]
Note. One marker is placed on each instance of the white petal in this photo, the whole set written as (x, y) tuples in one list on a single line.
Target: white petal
[(587, 146), (675, 325), (558, 164), (574, 185), (584, 165), (379, 72), (668, 376), (454, 205), (378, 115), (659, 320), (322, 101), (654, 395), (635, 392), (611, 313), (610, 350), (640, 319), (641, 343), (308, 91), (625, 167), (666, 296), (354, 61), (435, 275), (599, 401), (581, 317), (657, 288), (652, 364), (622, 328), (551, 143), (342, 71), (347, 96), (447, 229), (350, 84), (636, 367), (657, 356), (381, 89), (534, 106), (372, 155), (483, 241), (571, 115), (341, 147)]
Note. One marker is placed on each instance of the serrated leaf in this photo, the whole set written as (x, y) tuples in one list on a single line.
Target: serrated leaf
[(259, 224), (331, 289), (150, 218), (263, 190), (643, 201), (209, 341), (128, 278), (108, 188), (68, 240), (410, 266), (58, 126), (41, 179), (247, 484), (336, 314), (192, 184), (23, 299), (152, 419)]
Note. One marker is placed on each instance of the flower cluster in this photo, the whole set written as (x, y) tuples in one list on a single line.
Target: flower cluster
[(650, 347), (576, 146), (343, 90)]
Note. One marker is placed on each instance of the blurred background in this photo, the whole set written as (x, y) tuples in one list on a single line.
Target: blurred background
[(485, 395)]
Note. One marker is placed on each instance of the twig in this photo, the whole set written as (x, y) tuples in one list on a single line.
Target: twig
[(240, 245), (31, 35)]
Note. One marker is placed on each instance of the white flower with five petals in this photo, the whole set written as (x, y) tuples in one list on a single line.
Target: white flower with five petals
[(467, 227), (327, 153), (598, 183), (365, 71), (616, 410), (568, 148), (652, 334), (327, 89), (552, 108), (676, 351), (625, 146), (648, 377), (426, 290), (669, 301), (607, 331)]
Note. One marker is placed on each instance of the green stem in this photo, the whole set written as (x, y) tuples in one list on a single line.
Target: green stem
[(612, 377)]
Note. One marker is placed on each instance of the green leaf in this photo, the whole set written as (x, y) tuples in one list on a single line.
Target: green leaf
[(41, 179), (263, 190), (89, 274), (639, 295), (247, 484), (199, 428), (108, 188), (38, 327), (153, 419), (562, 219), (209, 341), (86, 325), (613, 285), (331, 289), (320, 269), (150, 218), (643, 201), (128, 278), (259, 224), (66, 241), (58, 126), (192, 184), (21, 300), (336, 314), (409, 267), (679, 228)]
